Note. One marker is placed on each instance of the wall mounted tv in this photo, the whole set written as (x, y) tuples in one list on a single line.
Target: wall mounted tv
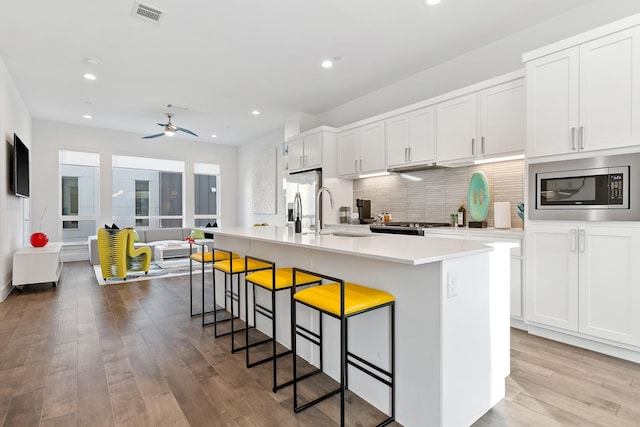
[(20, 167)]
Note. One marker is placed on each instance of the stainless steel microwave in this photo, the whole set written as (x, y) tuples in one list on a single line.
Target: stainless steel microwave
[(593, 189)]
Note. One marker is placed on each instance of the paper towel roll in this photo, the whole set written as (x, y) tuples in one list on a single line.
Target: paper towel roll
[(502, 214)]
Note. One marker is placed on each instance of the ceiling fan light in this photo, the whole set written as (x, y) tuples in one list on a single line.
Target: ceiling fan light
[(169, 132)]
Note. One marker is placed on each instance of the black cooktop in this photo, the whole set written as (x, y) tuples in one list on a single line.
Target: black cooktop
[(405, 227), (417, 224)]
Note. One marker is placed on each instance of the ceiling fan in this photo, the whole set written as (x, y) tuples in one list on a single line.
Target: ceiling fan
[(169, 129)]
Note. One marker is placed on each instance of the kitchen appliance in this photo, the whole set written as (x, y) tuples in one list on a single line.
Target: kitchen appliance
[(345, 214), (364, 211), (307, 184), (594, 189), (502, 215), (297, 212), (415, 228)]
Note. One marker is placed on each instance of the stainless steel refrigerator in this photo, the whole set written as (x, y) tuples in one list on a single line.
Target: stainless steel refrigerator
[(307, 183)]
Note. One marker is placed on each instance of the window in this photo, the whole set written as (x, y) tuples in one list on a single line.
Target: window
[(142, 203), (206, 177), (70, 201), (79, 184), (147, 193)]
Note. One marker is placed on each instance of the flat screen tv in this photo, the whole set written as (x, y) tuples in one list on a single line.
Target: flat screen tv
[(20, 167)]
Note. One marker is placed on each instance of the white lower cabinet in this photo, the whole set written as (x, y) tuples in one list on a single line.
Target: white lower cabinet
[(515, 265), (552, 276), (584, 279), (515, 289)]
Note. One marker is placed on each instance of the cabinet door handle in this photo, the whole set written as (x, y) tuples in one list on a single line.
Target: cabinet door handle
[(409, 151), (573, 139), (355, 163), (582, 239), (581, 137), (482, 145), (473, 146), (406, 158), (360, 165), (573, 240)]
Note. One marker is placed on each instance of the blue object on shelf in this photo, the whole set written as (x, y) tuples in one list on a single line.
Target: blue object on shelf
[(521, 210), (478, 196)]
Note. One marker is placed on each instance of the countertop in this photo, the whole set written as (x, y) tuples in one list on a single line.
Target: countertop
[(512, 233), (393, 248)]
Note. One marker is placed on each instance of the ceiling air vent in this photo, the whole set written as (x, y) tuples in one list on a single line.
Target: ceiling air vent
[(146, 13)]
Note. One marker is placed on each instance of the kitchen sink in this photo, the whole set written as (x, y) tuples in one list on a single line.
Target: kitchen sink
[(348, 234), (341, 233)]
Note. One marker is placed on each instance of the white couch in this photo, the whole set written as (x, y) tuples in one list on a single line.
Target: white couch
[(151, 238)]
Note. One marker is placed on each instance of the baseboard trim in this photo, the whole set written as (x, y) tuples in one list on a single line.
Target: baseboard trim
[(519, 324), (599, 347), (6, 290)]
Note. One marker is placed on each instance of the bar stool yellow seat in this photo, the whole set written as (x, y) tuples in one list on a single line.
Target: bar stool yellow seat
[(204, 258), (273, 280), (342, 300), (232, 266)]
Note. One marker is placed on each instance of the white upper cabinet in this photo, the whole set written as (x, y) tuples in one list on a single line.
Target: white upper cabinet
[(305, 152), (502, 119), (457, 129), (488, 123), (552, 104), (610, 91), (485, 120), (411, 138), (348, 153), (362, 150), (586, 97)]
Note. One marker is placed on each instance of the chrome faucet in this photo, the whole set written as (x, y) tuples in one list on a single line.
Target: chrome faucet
[(317, 219)]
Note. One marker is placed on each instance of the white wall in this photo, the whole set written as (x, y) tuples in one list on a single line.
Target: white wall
[(50, 137), (247, 155), (14, 117), (500, 57)]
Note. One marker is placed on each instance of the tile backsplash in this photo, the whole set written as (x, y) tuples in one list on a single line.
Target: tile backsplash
[(434, 194)]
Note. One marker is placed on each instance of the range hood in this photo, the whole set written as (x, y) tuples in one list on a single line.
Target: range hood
[(417, 167)]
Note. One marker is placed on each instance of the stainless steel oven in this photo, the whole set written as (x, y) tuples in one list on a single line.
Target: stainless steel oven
[(596, 189)]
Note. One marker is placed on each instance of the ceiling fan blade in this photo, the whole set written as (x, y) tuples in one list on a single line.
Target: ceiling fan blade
[(163, 124), (153, 136), (186, 131)]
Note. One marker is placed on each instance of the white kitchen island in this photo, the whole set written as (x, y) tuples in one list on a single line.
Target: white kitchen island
[(452, 315)]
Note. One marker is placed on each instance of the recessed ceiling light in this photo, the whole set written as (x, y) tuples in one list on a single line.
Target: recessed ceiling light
[(87, 116), (255, 112), (431, 2), (90, 76), (214, 136), (327, 64)]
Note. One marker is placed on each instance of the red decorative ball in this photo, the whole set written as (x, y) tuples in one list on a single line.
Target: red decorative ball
[(39, 240)]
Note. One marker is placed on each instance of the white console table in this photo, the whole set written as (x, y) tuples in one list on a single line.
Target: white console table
[(37, 265)]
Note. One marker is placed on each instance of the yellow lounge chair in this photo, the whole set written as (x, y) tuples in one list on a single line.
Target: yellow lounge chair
[(119, 255)]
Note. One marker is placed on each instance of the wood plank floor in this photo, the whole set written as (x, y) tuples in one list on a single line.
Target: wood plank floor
[(130, 355)]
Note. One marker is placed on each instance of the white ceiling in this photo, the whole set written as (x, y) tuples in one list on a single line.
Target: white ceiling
[(223, 59)]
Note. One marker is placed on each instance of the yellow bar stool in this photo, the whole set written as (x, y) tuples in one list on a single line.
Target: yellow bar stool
[(341, 300), (204, 258), (273, 280), (232, 267)]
